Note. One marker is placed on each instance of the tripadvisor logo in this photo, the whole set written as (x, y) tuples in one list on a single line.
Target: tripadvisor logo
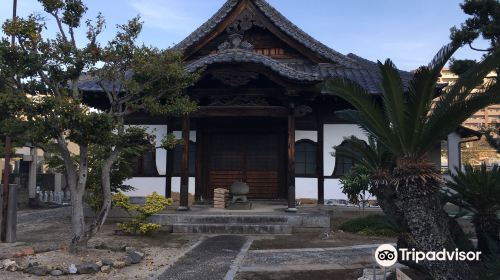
[(387, 255)]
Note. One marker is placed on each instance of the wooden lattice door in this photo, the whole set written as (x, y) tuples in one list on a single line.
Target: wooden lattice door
[(251, 158)]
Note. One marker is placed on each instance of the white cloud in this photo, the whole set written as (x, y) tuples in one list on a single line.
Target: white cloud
[(168, 15)]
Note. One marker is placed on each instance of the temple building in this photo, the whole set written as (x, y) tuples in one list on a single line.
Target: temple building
[(262, 117)]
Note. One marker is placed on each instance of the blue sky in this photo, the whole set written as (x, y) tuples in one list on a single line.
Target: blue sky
[(408, 32)]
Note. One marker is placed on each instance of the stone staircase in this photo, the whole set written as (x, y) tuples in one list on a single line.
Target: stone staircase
[(242, 224)]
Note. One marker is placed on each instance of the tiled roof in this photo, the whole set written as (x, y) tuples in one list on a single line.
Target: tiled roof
[(366, 73), (239, 55), (362, 71), (276, 18), (367, 76)]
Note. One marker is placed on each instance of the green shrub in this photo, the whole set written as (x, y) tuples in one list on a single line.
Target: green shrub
[(373, 225), (139, 223)]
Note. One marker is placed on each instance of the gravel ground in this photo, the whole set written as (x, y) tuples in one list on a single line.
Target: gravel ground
[(51, 229)]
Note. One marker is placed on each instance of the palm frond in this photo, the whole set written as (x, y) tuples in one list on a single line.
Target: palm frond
[(445, 119), (421, 90), (369, 114), (372, 155), (477, 189), (394, 99), (441, 58), (471, 79)]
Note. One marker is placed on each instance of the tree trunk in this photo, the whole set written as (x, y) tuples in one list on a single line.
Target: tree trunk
[(77, 185), (461, 239), (487, 229), (428, 224), (101, 216), (77, 223), (386, 197)]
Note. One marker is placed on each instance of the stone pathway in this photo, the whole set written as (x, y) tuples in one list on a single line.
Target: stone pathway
[(210, 260), (353, 257), (40, 215)]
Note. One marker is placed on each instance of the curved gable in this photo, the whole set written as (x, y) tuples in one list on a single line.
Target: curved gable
[(262, 15)]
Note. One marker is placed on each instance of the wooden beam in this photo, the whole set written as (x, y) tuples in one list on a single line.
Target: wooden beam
[(319, 158), (184, 189), (241, 111), (291, 160)]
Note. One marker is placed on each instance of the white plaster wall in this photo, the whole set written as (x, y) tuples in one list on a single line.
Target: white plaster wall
[(192, 135), (176, 184), (306, 134), (306, 188), (334, 135), (333, 189), (146, 185), (160, 131)]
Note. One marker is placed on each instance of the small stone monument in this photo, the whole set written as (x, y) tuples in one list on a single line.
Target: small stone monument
[(239, 190), (45, 196)]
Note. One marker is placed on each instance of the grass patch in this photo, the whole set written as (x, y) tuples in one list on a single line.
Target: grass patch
[(373, 225)]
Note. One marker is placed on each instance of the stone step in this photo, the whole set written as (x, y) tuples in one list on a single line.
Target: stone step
[(232, 228), (229, 219)]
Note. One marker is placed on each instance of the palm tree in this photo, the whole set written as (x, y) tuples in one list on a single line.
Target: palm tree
[(478, 190), (405, 121)]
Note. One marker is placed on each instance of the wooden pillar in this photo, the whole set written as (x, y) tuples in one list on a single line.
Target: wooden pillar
[(198, 192), (169, 161), (291, 160), (184, 192), (319, 159)]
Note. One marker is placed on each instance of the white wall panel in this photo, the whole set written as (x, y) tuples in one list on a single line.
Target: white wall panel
[(160, 131), (334, 135), (146, 185), (192, 135), (333, 189), (306, 134), (306, 188), (176, 184)]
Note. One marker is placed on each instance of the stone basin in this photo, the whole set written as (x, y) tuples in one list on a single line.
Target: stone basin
[(240, 188)]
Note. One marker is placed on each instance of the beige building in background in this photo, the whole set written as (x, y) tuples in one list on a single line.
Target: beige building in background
[(475, 152), (485, 117)]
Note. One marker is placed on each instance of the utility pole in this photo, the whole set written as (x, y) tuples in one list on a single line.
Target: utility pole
[(8, 146)]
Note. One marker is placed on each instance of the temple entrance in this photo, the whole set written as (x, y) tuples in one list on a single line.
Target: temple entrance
[(243, 152)]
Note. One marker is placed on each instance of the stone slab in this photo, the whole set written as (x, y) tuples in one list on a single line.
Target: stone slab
[(210, 260)]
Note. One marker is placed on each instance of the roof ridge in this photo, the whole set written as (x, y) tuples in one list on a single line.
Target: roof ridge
[(210, 23), (297, 32), (276, 18)]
